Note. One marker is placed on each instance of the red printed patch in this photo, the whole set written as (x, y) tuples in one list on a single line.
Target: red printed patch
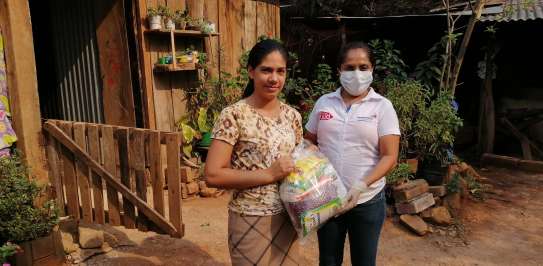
[(325, 116)]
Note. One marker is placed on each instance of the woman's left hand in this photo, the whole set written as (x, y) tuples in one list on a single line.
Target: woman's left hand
[(352, 197)]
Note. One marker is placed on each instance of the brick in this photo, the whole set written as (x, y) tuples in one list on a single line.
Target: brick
[(192, 188), (410, 190), (184, 191), (416, 205), (438, 191), (187, 175), (414, 223)]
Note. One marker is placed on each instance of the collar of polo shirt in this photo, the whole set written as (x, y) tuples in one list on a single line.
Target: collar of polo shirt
[(372, 95)]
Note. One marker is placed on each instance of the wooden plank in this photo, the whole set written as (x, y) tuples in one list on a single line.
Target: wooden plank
[(82, 172), (277, 20), (22, 84), (173, 143), (112, 41), (196, 8), (226, 61), (97, 186), (271, 19), (99, 169), (129, 215), (137, 162), (55, 172), (157, 175), (261, 18), (211, 13), (110, 164), (146, 64), (249, 16), (526, 144), (176, 5), (235, 21), (70, 181)]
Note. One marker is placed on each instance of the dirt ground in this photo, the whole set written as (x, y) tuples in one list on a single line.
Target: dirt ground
[(505, 229)]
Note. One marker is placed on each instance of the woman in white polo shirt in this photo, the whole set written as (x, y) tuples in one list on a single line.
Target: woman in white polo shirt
[(358, 130)]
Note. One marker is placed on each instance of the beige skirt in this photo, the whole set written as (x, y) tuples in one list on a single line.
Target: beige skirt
[(261, 240)]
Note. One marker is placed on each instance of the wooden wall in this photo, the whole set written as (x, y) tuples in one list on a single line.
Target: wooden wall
[(239, 23)]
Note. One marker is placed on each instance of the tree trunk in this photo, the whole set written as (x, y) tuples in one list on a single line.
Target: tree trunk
[(479, 5)]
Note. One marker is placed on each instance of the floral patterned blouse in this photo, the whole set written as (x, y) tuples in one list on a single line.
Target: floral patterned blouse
[(258, 141)]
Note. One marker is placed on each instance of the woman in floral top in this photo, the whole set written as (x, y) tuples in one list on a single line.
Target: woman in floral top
[(250, 153)]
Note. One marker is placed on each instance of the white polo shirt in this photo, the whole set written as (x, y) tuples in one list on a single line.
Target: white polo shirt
[(350, 137)]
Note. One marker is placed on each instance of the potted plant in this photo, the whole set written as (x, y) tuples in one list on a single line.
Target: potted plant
[(180, 18), (26, 219), (195, 23), (207, 27), (409, 99), (168, 17), (435, 129), (153, 16)]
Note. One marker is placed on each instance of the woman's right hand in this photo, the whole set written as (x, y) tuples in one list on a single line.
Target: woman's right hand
[(281, 168)]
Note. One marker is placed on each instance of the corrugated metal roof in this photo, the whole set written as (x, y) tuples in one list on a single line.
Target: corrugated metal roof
[(515, 10)]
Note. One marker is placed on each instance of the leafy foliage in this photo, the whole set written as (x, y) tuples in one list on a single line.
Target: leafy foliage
[(388, 61), (435, 128), (409, 99), (21, 219), (399, 174), (7, 250)]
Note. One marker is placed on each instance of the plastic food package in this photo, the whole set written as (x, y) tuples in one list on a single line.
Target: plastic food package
[(313, 193)]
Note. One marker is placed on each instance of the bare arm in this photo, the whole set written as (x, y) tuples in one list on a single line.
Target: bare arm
[(389, 149), (220, 174)]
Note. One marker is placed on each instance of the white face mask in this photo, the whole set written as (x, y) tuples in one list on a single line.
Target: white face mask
[(356, 82)]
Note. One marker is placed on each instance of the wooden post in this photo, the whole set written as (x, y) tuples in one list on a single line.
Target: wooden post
[(173, 143), (157, 175), (124, 161), (112, 43), (82, 172), (97, 187), (137, 161), (110, 164), (54, 173), (22, 84), (70, 181)]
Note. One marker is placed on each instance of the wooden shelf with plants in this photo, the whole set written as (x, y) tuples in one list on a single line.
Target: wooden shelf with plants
[(187, 33)]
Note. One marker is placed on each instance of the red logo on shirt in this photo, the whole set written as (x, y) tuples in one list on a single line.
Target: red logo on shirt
[(325, 116)]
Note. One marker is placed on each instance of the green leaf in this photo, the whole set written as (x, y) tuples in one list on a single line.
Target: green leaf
[(188, 133), (187, 150), (202, 120)]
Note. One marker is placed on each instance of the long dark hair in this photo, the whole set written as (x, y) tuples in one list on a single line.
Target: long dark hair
[(355, 45), (257, 54)]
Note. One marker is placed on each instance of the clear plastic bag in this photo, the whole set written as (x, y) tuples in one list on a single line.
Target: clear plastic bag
[(313, 193)]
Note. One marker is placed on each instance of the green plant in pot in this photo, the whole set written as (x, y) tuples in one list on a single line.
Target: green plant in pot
[(409, 99), (168, 16), (180, 18), (435, 129), (24, 215), (154, 18)]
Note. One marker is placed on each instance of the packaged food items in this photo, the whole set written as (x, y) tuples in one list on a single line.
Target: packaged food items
[(313, 193)]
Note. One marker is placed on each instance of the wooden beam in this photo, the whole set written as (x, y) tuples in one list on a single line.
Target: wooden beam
[(22, 84), (145, 65), (112, 42), (154, 216), (526, 144)]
